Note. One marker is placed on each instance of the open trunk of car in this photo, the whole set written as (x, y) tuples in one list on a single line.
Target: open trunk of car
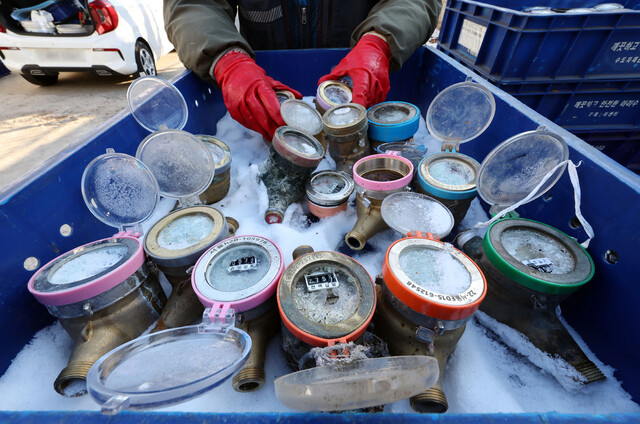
[(51, 18)]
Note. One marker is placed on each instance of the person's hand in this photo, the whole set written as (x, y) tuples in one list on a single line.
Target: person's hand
[(368, 66), (249, 94)]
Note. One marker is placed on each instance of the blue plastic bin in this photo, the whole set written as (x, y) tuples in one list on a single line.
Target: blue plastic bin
[(604, 313), (502, 42), (621, 146), (586, 105)]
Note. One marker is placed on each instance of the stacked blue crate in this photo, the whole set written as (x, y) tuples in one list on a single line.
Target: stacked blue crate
[(581, 70)]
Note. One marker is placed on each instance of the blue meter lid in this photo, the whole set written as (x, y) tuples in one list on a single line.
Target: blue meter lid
[(460, 113), (157, 104), (167, 367), (180, 162), (119, 190), (516, 166)]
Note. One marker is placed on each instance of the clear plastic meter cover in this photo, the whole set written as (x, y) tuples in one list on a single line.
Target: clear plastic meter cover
[(300, 115), (516, 166), (181, 163), (119, 190), (167, 367), (359, 384), (406, 212), (461, 112), (157, 104)]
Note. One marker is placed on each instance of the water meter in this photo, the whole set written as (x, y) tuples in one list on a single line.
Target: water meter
[(457, 115), (183, 167), (105, 293), (376, 177), (428, 290), (236, 280), (392, 122), (328, 192), (345, 129), (332, 93), (530, 267), (326, 302), (283, 95), (221, 182), (294, 154), (159, 107)]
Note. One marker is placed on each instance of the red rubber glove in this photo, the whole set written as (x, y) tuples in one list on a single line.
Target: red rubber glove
[(368, 66), (249, 94)]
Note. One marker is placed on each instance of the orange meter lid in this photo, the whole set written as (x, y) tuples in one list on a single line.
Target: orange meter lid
[(433, 278)]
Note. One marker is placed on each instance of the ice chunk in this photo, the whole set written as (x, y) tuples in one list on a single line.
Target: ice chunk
[(88, 264), (527, 245), (435, 270), (185, 231)]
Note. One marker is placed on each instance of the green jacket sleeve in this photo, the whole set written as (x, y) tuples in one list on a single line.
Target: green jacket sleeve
[(201, 30), (407, 24)]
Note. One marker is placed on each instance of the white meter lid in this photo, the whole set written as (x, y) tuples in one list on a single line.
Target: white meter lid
[(408, 211), (460, 113), (119, 190), (516, 166), (157, 104), (167, 367), (180, 162), (298, 114), (358, 384)]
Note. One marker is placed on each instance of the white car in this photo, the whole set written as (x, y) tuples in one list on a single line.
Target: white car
[(104, 37)]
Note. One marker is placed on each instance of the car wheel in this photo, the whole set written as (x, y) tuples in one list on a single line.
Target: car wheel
[(48, 79), (144, 59)]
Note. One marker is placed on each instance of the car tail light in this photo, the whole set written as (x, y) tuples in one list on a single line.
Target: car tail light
[(104, 16), (2, 28)]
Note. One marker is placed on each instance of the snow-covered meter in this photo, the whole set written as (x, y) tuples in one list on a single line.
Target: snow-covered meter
[(345, 130)]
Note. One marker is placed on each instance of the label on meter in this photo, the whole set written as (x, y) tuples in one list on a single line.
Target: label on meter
[(243, 264), (540, 264), (321, 281)]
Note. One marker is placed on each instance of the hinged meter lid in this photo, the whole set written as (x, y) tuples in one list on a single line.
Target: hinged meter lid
[(119, 190), (167, 367), (460, 113), (157, 104), (180, 162), (240, 271), (393, 121), (358, 384), (298, 146), (219, 151), (516, 166), (298, 114), (409, 211)]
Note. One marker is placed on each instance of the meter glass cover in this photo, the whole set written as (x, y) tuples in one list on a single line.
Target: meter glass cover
[(452, 171), (167, 367), (461, 112), (436, 270), (185, 231), (537, 250), (300, 115), (239, 268), (516, 166), (406, 212), (119, 189), (391, 113), (300, 144), (181, 163), (343, 116), (88, 264), (157, 104)]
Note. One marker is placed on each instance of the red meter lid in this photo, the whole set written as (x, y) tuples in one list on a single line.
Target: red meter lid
[(433, 278)]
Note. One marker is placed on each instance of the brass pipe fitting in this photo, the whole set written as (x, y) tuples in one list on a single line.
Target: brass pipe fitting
[(261, 329), (401, 337), (369, 222), (104, 330), (183, 306)]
